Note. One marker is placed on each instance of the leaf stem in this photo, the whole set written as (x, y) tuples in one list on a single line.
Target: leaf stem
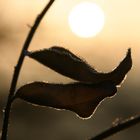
[(18, 68), (117, 128)]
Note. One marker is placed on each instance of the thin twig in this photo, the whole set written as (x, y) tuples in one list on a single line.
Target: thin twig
[(18, 68), (118, 127)]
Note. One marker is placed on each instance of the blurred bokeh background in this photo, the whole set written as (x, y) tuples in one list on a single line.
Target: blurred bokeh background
[(104, 52)]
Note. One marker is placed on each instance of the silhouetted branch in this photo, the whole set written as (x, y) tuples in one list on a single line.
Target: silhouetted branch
[(18, 68), (118, 127)]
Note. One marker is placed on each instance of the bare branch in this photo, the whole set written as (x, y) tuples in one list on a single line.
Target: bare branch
[(117, 128), (18, 68)]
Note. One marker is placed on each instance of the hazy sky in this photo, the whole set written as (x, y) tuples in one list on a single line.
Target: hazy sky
[(121, 30), (104, 51)]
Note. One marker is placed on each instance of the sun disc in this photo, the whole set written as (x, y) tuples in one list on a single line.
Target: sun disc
[(86, 19)]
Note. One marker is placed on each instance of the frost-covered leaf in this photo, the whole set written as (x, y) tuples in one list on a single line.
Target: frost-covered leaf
[(68, 64), (77, 97)]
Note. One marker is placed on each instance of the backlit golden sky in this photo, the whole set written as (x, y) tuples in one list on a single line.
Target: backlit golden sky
[(104, 51)]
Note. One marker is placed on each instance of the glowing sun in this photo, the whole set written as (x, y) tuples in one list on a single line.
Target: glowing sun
[(86, 19)]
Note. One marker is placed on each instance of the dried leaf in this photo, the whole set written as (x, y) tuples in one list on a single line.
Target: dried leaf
[(64, 62), (77, 97), (118, 74), (68, 64)]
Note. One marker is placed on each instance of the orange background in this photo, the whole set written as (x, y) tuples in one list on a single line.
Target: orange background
[(104, 52)]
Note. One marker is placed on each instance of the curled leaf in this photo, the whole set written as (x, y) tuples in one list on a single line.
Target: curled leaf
[(68, 64), (118, 74), (77, 97), (64, 62)]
